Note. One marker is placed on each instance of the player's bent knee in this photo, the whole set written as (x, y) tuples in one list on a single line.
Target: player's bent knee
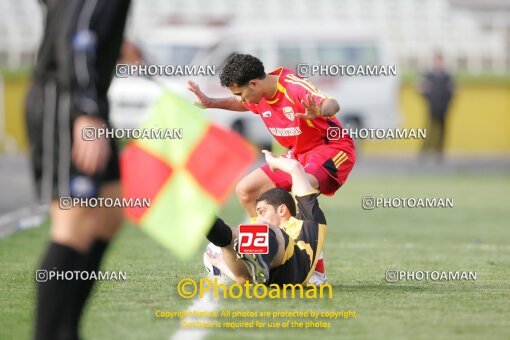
[(251, 186), (245, 190), (80, 243), (74, 227)]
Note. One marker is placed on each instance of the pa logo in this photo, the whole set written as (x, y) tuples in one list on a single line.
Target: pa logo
[(253, 239)]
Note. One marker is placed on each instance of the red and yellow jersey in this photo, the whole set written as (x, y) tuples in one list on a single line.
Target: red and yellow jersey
[(279, 114)]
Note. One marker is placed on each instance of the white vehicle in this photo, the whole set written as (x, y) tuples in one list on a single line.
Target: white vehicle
[(365, 101), (131, 97)]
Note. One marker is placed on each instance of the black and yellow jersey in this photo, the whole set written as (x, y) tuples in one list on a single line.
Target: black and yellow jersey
[(304, 239)]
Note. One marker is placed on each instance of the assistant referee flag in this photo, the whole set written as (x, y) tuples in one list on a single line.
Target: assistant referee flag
[(186, 179)]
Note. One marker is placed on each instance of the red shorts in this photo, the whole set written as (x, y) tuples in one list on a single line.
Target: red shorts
[(329, 163)]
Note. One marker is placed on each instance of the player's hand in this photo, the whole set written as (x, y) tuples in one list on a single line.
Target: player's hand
[(203, 100), (312, 109), (89, 156), (280, 163)]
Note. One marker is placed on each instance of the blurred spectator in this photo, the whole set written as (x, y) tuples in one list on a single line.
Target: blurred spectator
[(438, 88)]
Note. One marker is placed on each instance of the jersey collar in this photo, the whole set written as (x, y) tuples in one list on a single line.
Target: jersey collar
[(274, 98)]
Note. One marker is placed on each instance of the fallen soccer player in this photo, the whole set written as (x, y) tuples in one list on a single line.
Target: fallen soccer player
[(295, 239)]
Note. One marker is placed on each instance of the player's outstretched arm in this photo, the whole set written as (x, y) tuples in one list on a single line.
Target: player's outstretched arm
[(230, 103), (300, 183), (308, 205)]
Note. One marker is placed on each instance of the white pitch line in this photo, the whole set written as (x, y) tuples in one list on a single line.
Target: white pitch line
[(205, 304), (23, 218)]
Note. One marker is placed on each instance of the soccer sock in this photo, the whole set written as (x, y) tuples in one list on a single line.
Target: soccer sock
[(53, 293), (320, 264), (273, 248), (74, 307), (220, 234)]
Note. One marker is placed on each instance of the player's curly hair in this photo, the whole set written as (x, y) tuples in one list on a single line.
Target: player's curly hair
[(240, 69), (278, 196)]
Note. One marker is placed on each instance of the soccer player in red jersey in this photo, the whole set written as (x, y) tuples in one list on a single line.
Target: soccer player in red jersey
[(299, 117)]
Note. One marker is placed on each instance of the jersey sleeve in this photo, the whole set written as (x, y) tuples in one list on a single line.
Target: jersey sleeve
[(309, 209), (251, 107), (299, 88), (76, 58)]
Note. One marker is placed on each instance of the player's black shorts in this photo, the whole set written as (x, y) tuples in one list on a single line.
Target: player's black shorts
[(50, 115)]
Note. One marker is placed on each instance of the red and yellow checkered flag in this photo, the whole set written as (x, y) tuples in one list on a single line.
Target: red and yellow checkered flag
[(187, 180)]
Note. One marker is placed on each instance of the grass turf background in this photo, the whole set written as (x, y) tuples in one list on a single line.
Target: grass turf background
[(360, 246)]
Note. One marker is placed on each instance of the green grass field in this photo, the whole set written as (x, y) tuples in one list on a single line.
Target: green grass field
[(361, 245)]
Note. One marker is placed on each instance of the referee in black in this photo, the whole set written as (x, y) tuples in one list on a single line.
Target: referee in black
[(74, 68)]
